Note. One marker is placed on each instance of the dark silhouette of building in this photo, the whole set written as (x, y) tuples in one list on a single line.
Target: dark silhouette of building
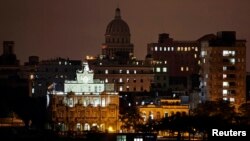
[(8, 57), (117, 40)]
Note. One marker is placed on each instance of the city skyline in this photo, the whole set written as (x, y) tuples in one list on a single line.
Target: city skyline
[(74, 29)]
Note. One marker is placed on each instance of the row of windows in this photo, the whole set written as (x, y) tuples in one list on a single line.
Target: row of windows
[(69, 69), (125, 71), (159, 69), (118, 40), (129, 89), (173, 48), (184, 68), (120, 80)]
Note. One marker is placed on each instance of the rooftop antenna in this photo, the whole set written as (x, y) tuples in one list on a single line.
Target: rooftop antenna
[(117, 4)]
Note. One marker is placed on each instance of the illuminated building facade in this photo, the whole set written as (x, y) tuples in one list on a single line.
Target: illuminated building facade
[(223, 68), (166, 108), (86, 104), (133, 77), (175, 63)]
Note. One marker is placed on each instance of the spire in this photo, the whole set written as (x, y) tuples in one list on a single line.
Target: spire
[(117, 13)]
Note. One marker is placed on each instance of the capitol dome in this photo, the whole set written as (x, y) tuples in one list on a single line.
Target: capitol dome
[(117, 26)]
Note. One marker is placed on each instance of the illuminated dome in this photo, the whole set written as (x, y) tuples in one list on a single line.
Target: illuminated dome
[(117, 26)]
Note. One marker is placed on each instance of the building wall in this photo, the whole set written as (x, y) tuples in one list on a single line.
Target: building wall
[(223, 70), (127, 78), (54, 72), (85, 112), (165, 109), (174, 62)]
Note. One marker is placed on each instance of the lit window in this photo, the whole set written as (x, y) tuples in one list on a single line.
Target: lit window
[(151, 115), (172, 48), (127, 80), (224, 68), (187, 68), (121, 138), (181, 48), (65, 62), (127, 87), (195, 55), (165, 48), (120, 80), (196, 48), (224, 92), (182, 68), (155, 48), (224, 98), (160, 48), (120, 71), (134, 71), (138, 139), (225, 53), (33, 90), (78, 126), (165, 62), (204, 60), (224, 76), (228, 53), (233, 53), (164, 69), (158, 69), (70, 102), (231, 99), (199, 62), (225, 84), (106, 80), (232, 61), (106, 71), (168, 48), (205, 83), (206, 75), (203, 53), (189, 48), (178, 49), (127, 71), (120, 88), (60, 62), (185, 49)]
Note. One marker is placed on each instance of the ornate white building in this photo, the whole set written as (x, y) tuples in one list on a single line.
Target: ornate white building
[(86, 104)]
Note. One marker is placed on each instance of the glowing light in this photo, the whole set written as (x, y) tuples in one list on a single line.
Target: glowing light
[(31, 77), (110, 129)]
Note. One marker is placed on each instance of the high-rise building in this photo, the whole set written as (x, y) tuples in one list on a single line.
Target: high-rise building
[(223, 68), (176, 63)]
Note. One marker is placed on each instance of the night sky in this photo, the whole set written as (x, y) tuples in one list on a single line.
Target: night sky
[(75, 28)]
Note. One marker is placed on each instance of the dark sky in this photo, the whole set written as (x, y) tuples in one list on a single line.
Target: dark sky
[(76, 28)]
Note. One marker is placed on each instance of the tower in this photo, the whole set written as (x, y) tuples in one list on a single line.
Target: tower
[(117, 40), (223, 68)]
